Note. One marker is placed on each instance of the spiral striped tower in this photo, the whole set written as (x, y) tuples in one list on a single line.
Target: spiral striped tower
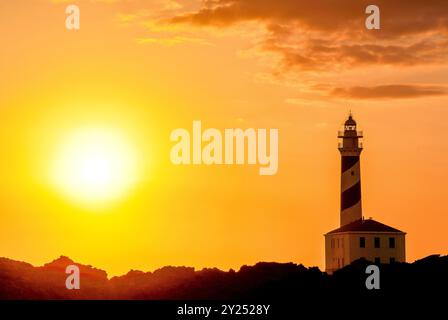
[(350, 147)]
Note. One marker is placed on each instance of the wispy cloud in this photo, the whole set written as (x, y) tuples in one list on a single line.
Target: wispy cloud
[(170, 41), (398, 91)]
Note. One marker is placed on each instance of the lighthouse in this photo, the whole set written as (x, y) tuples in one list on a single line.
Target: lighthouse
[(350, 147), (358, 238)]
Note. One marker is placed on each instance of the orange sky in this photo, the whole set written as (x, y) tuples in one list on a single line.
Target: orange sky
[(144, 68)]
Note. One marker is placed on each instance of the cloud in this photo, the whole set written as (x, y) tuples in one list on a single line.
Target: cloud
[(312, 14), (397, 91), (399, 17), (319, 47), (328, 34), (171, 41), (322, 54)]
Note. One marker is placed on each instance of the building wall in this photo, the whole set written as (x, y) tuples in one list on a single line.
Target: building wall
[(384, 252), (343, 248), (337, 252)]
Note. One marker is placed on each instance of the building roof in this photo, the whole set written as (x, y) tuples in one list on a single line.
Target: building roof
[(365, 225)]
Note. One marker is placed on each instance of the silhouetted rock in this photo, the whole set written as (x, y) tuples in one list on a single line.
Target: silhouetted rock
[(263, 281)]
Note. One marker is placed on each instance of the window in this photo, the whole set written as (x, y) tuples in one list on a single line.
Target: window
[(377, 242), (377, 260), (362, 242), (391, 242), (343, 262), (337, 242), (332, 243), (392, 260)]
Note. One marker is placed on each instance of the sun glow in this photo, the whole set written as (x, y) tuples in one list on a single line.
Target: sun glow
[(95, 166)]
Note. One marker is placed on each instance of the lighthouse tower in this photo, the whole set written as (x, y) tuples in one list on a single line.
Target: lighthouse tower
[(358, 238), (350, 147)]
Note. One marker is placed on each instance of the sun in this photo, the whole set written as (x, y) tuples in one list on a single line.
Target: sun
[(95, 166)]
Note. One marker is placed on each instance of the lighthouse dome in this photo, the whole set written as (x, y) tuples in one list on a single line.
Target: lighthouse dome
[(350, 121)]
